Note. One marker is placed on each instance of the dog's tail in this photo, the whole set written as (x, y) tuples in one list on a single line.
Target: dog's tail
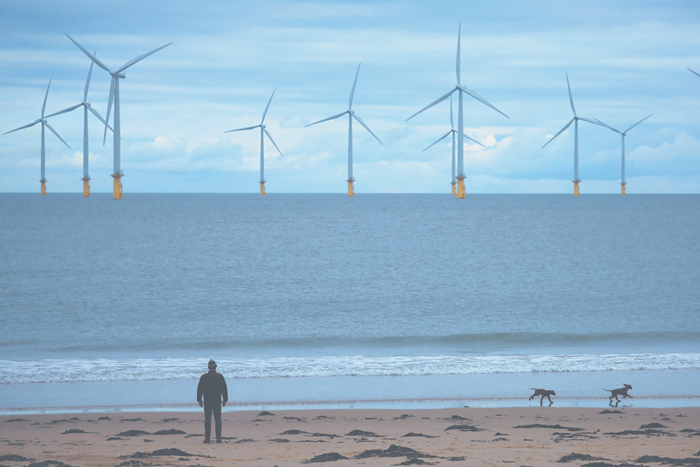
[(609, 390), (532, 389)]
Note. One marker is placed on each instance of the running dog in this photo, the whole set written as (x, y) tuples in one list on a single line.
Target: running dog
[(544, 393), (619, 392)]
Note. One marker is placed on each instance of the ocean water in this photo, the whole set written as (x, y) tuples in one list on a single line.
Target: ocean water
[(325, 299)]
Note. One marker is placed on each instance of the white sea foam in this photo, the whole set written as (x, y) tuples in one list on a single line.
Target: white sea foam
[(74, 370)]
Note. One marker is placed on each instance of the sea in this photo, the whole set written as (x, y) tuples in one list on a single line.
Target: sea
[(321, 300)]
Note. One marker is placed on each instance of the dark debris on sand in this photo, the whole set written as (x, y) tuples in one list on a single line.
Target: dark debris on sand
[(48, 463), (325, 435), (14, 458), (265, 413), (557, 427), (171, 431), (132, 463), (327, 457), (647, 432), (279, 440), (412, 434), (608, 464), (362, 433), (610, 411), (652, 425), (104, 417), (463, 428), (415, 461), (10, 420), (246, 440), (458, 417), (686, 462), (577, 457), (133, 433), (392, 451), (294, 432), (74, 431), (161, 452), (403, 417)]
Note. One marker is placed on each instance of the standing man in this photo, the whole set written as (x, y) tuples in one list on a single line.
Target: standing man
[(212, 386)]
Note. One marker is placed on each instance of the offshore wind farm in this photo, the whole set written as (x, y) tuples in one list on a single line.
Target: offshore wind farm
[(490, 148)]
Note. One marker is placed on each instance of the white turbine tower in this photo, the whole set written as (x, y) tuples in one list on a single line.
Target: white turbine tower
[(44, 124), (623, 182), (86, 106), (351, 114), (114, 97), (460, 115), (575, 121), (452, 132), (263, 133)]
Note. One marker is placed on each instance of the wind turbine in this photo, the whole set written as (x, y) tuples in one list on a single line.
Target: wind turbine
[(86, 105), (575, 122), (44, 124), (697, 74), (623, 134), (452, 132), (114, 97), (460, 115), (263, 131), (351, 114)]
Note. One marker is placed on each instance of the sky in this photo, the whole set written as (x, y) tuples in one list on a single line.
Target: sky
[(625, 60)]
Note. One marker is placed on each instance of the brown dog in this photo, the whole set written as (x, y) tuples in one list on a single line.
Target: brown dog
[(619, 392), (544, 393)]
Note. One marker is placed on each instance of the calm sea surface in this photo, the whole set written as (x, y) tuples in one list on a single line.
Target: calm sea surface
[(313, 291)]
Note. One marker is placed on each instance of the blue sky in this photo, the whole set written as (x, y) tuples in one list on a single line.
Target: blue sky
[(625, 60)]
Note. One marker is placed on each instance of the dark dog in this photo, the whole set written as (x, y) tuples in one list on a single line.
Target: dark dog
[(544, 393), (619, 392)]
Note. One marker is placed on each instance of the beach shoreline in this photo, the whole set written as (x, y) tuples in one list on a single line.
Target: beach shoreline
[(381, 437)]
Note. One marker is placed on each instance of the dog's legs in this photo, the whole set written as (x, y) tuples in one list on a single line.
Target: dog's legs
[(541, 399), (531, 397)]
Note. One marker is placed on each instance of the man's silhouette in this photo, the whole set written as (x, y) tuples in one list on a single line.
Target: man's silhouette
[(212, 386)]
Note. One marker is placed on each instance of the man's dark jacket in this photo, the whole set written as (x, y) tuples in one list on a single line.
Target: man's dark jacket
[(212, 386)]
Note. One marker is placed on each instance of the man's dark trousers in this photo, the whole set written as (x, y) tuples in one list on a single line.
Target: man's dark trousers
[(210, 408)]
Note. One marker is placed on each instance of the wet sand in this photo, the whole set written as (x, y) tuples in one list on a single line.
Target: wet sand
[(466, 436)]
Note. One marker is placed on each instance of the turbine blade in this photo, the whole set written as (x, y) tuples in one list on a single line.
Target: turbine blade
[(604, 124), (472, 139), (273, 141), (23, 127), (243, 129), (628, 129), (352, 93), (481, 99), (87, 81), (268, 106), (139, 58), (594, 121), (560, 131), (571, 99), (69, 109), (326, 119), (693, 72), (97, 114), (436, 142), (109, 108), (46, 96), (433, 103), (56, 133), (459, 41), (90, 56), (366, 127)]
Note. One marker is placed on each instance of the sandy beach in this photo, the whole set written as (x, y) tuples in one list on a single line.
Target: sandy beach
[(519, 436)]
